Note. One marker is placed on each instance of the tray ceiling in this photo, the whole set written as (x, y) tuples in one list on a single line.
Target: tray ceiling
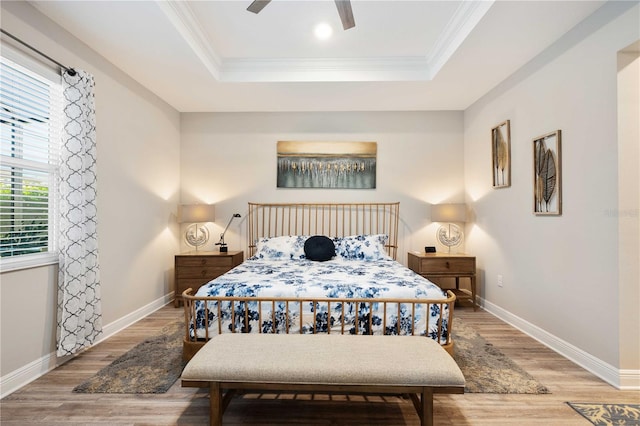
[(401, 55)]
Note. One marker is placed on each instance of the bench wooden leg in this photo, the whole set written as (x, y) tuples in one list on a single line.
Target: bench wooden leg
[(215, 404), (427, 407)]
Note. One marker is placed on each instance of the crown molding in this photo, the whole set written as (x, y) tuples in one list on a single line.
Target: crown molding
[(185, 21), (466, 17), (463, 21), (325, 69)]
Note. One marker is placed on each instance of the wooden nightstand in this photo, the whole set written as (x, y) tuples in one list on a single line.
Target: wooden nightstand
[(196, 268), (444, 265)]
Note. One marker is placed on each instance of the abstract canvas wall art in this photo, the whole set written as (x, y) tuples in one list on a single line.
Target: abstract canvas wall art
[(349, 165)]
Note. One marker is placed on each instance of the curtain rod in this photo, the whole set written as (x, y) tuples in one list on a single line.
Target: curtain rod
[(71, 71)]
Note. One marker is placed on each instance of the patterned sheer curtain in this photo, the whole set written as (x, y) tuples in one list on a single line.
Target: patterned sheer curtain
[(79, 309)]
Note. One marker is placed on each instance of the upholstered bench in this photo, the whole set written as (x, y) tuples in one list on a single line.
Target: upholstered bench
[(412, 365)]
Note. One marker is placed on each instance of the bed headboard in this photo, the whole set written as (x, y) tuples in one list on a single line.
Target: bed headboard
[(330, 219)]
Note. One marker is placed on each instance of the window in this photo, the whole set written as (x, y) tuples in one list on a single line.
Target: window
[(30, 111)]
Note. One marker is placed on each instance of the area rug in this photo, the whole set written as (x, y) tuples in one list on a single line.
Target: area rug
[(155, 364), (486, 369), (608, 414), (152, 366)]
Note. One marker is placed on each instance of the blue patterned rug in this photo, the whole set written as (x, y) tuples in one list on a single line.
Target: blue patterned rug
[(609, 414)]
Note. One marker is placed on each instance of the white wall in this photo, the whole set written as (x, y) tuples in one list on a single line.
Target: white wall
[(560, 273), (138, 139), (230, 159), (629, 204)]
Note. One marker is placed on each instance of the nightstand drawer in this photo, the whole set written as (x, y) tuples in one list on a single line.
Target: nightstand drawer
[(198, 272), (205, 261), (445, 265)]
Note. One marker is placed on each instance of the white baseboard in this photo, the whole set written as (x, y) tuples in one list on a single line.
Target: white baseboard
[(135, 316), (16, 379), (620, 379), (629, 380)]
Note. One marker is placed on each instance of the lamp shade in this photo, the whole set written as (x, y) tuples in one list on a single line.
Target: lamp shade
[(196, 213), (449, 213)]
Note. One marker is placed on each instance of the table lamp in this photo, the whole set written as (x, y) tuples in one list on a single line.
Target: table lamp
[(449, 234), (196, 234)]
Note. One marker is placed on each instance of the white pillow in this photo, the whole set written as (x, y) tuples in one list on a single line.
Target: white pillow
[(290, 247), (362, 247)]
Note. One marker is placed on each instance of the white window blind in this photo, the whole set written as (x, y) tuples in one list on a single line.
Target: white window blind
[(30, 124)]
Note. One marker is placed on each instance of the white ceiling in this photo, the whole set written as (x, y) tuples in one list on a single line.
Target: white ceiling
[(401, 55)]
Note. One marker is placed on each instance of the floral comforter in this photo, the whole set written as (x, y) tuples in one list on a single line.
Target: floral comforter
[(344, 279)]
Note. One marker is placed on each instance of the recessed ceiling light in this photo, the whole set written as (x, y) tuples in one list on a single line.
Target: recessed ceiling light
[(323, 31)]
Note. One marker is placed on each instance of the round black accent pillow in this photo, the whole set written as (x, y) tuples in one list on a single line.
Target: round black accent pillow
[(319, 248)]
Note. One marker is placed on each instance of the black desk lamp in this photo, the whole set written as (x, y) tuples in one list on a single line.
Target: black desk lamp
[(221, 243)]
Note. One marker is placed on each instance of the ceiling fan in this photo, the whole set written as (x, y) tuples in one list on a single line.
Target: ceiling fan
[(344, 10)]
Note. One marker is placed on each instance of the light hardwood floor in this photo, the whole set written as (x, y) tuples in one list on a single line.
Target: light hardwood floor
[(49, 400)]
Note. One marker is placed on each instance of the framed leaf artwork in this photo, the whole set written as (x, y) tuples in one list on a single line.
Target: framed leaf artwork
[(501, 155), (547, 174)]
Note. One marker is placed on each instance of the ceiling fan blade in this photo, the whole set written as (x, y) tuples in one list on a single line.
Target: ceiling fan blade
[(257, 5), (346, 14)]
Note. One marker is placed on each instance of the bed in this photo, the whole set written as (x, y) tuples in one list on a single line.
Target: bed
[(362, 289)]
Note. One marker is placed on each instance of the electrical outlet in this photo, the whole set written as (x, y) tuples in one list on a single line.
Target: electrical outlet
[(500, 281)]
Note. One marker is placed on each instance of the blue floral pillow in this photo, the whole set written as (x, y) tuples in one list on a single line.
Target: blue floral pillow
[(280, 248), (362, 247)]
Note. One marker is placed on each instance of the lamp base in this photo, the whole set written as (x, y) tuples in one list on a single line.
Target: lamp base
[(223, 248), (196, 235), (450, 235)]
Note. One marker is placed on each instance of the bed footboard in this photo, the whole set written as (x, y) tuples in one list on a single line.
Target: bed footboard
[(242, 316)]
